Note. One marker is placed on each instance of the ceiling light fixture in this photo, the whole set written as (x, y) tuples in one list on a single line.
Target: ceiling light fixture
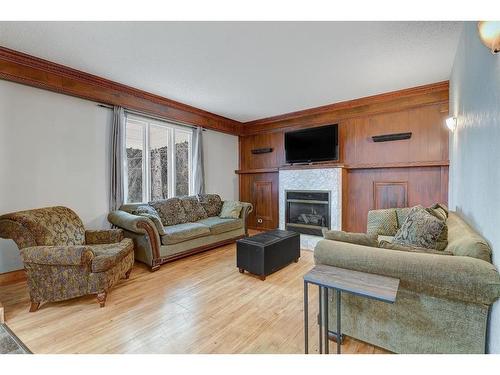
[(451, 123), (489, 32)]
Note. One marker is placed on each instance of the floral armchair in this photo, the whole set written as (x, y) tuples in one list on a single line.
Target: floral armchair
[(63, 260)]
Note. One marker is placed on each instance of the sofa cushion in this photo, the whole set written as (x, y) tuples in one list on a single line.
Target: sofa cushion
[(230, 210), (402, 214), (382, 222), (148, 211), (356, 238), (385, 238), (107, 256), (193, 208), (212, 203), (183, 232), (463, 240), (419, 229), (414, 249), (171, 211), (219, 225)]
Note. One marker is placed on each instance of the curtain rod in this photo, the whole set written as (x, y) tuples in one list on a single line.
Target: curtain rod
[(144, 114)]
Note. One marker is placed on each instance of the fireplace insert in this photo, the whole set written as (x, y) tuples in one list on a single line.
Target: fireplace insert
[(307, 211)]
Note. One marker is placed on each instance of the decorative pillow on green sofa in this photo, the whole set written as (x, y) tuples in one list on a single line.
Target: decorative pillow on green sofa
[(382, 222), (441, 212), (212, 203), (230, 210), (170, 210), (355, 238), (413, 249), (193, 208), (149, 212), (420, 229)]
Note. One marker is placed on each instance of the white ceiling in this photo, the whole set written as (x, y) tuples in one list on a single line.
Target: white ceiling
[(248, 70)]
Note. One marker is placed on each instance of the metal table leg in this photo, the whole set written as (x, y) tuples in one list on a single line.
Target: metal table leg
[(339, 335), (306, 319), (325, 316), (320, 323)]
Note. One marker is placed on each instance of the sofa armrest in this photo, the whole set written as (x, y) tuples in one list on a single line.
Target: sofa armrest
[(132, 223), (453, 277), (107, 236), (245, 211), (57, 255)]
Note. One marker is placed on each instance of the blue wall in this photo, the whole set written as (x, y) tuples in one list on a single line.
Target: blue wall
[(474, 189)]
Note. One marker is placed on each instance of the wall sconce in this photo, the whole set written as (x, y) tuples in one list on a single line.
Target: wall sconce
[(489, 33), (451, 123)]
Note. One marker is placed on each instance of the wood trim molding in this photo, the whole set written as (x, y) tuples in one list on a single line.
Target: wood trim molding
[(382, 103), (33, 71), (12, 277)]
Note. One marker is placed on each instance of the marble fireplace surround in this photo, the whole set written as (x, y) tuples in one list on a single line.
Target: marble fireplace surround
[(328, 179)]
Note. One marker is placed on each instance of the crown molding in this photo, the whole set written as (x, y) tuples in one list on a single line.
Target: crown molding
[(32, 71)]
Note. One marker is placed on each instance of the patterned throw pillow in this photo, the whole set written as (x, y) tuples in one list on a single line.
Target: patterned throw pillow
[(149, 212), (419, 229), (212, 203), (230, 210), (382, 222), (193, 208), (170, 210), (441, 212)]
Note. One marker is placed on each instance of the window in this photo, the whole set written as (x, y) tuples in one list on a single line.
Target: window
[(158, 159)]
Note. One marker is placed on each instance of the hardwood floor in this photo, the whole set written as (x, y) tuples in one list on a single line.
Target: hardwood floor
[(200, 304)]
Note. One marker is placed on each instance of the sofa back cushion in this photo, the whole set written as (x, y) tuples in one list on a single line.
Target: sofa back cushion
[(50, 226), (171, 211), (212, 203), (465, 241), (193, 208)]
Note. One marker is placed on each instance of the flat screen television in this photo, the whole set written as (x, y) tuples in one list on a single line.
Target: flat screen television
[(311, 145)]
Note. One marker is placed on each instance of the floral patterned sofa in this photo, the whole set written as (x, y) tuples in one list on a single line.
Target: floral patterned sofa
[(62, 259), (169, 229)]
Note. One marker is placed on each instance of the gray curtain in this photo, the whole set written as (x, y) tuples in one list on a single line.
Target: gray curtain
[(198, 170), (117, 189)]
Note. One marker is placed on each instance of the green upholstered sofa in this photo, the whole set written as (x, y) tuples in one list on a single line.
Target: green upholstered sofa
[(192, 229), (443, 300), (63, 260)]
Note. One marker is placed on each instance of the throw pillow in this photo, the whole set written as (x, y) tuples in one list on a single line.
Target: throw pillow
[(230, 210), (150, 213), (441, 212), (355, 238), (170, 210), (212, 203), (193, 208), (413, 249), (382, 222), (419, 229)]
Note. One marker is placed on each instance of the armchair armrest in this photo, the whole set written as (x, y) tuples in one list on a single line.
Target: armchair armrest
[(106, 236), (453, 277), (245, 211), (58, 255)]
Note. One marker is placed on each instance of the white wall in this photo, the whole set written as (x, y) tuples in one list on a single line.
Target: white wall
[(220, 154), (475, 147), (53, 151)]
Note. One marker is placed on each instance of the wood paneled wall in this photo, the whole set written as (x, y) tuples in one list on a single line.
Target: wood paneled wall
[(376, 175)]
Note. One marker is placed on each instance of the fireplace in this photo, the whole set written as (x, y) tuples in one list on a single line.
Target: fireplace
[(307, 211)]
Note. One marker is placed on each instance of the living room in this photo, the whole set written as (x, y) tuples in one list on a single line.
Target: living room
[(237, 187)]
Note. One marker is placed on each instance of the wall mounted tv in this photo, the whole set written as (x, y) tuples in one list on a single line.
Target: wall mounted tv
[(312, 145)]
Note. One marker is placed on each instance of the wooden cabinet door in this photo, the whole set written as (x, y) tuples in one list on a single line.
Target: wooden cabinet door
[(261, 189)]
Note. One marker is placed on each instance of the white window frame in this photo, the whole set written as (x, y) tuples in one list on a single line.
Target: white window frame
[(172, 129)]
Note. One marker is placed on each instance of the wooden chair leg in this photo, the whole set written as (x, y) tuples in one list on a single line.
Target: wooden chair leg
[(127, 274), (34, 306), (101, 298), (155, 268)]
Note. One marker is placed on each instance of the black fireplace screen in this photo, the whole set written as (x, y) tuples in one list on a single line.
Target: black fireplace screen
[(307, 212)]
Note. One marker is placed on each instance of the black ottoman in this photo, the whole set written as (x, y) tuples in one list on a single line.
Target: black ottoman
[(267, 252)]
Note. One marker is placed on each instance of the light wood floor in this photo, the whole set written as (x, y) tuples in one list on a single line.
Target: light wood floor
[(200, 304)]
